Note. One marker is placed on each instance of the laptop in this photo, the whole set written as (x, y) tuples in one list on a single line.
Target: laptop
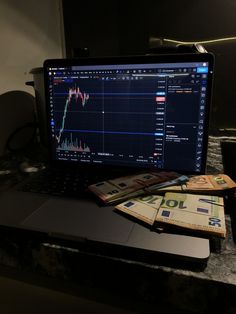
[(109, 117)]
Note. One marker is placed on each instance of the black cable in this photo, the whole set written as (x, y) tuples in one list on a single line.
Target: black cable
[(32, 125)]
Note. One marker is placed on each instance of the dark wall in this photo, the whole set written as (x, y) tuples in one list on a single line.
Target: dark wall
[(127, 27)]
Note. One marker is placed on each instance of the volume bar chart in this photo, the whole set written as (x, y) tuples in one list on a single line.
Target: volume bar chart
[(76, 145)]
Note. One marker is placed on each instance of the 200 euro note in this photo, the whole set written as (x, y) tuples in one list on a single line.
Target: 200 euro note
[(209, 184)]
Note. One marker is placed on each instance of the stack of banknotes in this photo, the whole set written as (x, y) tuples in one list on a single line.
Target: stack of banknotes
[(208, 184), (117, 190), (164, 199), (204, 213), (122, 188)]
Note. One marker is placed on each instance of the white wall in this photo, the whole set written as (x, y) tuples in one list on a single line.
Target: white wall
[(30, 31)]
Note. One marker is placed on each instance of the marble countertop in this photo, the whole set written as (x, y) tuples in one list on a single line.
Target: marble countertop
[(221, 267)]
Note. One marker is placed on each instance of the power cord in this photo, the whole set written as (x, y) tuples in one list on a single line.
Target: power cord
[(10, 141)]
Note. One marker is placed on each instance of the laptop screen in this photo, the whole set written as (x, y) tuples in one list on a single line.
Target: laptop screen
[(138, 112)]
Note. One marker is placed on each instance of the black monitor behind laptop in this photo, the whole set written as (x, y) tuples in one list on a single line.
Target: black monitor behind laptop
[(138, 112)]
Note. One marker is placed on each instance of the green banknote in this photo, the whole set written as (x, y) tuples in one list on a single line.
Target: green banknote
[(203, 213)]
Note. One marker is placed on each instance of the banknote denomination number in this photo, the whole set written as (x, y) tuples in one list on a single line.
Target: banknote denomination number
[(150, 199), (173, 203), (215, 222), (113, 192)]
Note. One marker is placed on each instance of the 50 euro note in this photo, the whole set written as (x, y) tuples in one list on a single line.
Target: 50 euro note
[(209, 184), (197, 212), (120, 188), (147, 190), (203, 213)]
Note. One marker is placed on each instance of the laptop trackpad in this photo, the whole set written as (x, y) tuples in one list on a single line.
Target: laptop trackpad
[(80, 218)]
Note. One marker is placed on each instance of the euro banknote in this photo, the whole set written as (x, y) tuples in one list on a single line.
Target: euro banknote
[(204, 213)]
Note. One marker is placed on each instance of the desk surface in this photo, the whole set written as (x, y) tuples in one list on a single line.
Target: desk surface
[(221, 266), (140, 283), (218, 280)]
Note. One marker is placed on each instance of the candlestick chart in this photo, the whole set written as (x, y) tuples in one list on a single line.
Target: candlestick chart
[(104, 116), (84, 97)]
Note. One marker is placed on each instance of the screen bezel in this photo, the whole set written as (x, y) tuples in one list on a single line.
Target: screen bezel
[(137, 59)]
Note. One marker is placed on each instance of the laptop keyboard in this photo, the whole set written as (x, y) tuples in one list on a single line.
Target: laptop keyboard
[(59, 183)]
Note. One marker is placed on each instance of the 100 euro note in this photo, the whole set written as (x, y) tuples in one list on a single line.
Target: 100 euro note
[(197, 212), (118, 189), (203, 213), (144, 207)]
